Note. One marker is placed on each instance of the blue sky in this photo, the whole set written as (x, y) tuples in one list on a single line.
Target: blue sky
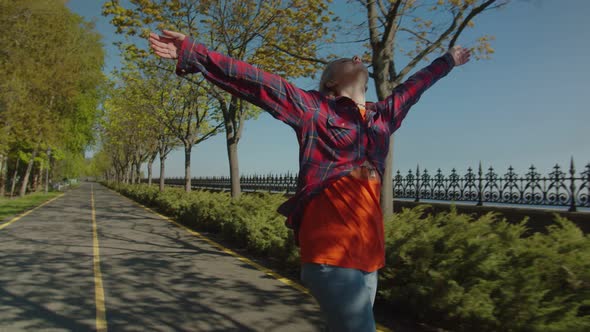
[(527, 105)]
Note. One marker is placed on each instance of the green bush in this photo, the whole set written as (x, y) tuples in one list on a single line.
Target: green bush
[(256, 222), (466, 274), (449, 269)]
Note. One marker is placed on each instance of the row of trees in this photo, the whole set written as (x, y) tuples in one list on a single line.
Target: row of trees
[(51, 67), (187, 111), (280, 36)]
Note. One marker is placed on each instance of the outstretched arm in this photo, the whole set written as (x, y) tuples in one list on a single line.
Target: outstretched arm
[(395, 107), (272, 93)]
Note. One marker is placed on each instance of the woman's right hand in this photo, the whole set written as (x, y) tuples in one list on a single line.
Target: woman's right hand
[(168, 45)]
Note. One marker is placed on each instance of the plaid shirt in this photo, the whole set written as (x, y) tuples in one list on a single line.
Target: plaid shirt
[(333, 138)]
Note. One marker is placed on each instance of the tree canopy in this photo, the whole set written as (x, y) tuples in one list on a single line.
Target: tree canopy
[(51, 61)]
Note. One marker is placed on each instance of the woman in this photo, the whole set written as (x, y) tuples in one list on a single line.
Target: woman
[(343, 143)]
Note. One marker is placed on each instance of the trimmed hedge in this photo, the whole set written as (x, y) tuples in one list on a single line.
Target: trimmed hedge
[(485, 275), (449, 269)]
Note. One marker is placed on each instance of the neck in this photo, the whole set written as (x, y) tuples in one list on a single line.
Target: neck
[(356, 94)]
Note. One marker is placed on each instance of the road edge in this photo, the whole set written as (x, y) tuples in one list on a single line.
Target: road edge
[(29, 211)]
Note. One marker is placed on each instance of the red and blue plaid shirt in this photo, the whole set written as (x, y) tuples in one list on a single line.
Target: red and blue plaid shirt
[(333, 137)]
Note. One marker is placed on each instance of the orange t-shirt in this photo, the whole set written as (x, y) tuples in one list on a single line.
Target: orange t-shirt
[(343, 226)]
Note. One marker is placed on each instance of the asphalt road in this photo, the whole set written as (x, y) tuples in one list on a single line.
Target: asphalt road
[(155, 276)]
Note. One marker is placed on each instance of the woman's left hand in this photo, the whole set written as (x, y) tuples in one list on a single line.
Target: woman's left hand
[(460, 55)]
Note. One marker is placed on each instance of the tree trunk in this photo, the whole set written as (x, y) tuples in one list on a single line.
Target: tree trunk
[(234, 169), (133, 172), (36, 180), (25, 182), (138, 172), (47, 172), (3, 167), (382, 58), (127, 171), (387, 183), (15, 173), (162, 172), (149, 168), (120, 173), (187, 167), (234, 126), (39, 183)]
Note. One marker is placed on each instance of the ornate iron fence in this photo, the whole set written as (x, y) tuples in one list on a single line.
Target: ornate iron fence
[(286, 183), (555, 189)]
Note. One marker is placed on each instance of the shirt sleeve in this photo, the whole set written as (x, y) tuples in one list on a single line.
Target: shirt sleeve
[(270, 92), (395, 107)]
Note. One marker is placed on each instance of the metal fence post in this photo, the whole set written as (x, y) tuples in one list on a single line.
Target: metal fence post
[(480, 186), (572, 187), (417, 184)]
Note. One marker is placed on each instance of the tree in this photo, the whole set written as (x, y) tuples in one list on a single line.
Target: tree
[(277, 36), (181, 110), (49, 58), (154, 86), (433, 27), (126, 129), (190, 117)]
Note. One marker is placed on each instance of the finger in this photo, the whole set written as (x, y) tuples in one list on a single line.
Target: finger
[(159, 43), (163, 54), (154, 36), (158, 48), (159, 40), (156, 43), (172, 34)]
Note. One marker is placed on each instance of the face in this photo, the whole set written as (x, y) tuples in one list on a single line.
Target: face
[(346, 72)]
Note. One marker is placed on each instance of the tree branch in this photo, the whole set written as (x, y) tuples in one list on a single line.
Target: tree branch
[(471, 15), (434, 45), (389, 32), (241, 121), (382, 8), (373, 29), (297, 56), (415, 34), (210, 134)]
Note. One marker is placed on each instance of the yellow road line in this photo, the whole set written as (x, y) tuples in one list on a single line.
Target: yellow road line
[(101, 322), (287, 281), (17, 218)]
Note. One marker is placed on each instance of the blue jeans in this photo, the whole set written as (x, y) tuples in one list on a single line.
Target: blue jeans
[(345, 296)]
